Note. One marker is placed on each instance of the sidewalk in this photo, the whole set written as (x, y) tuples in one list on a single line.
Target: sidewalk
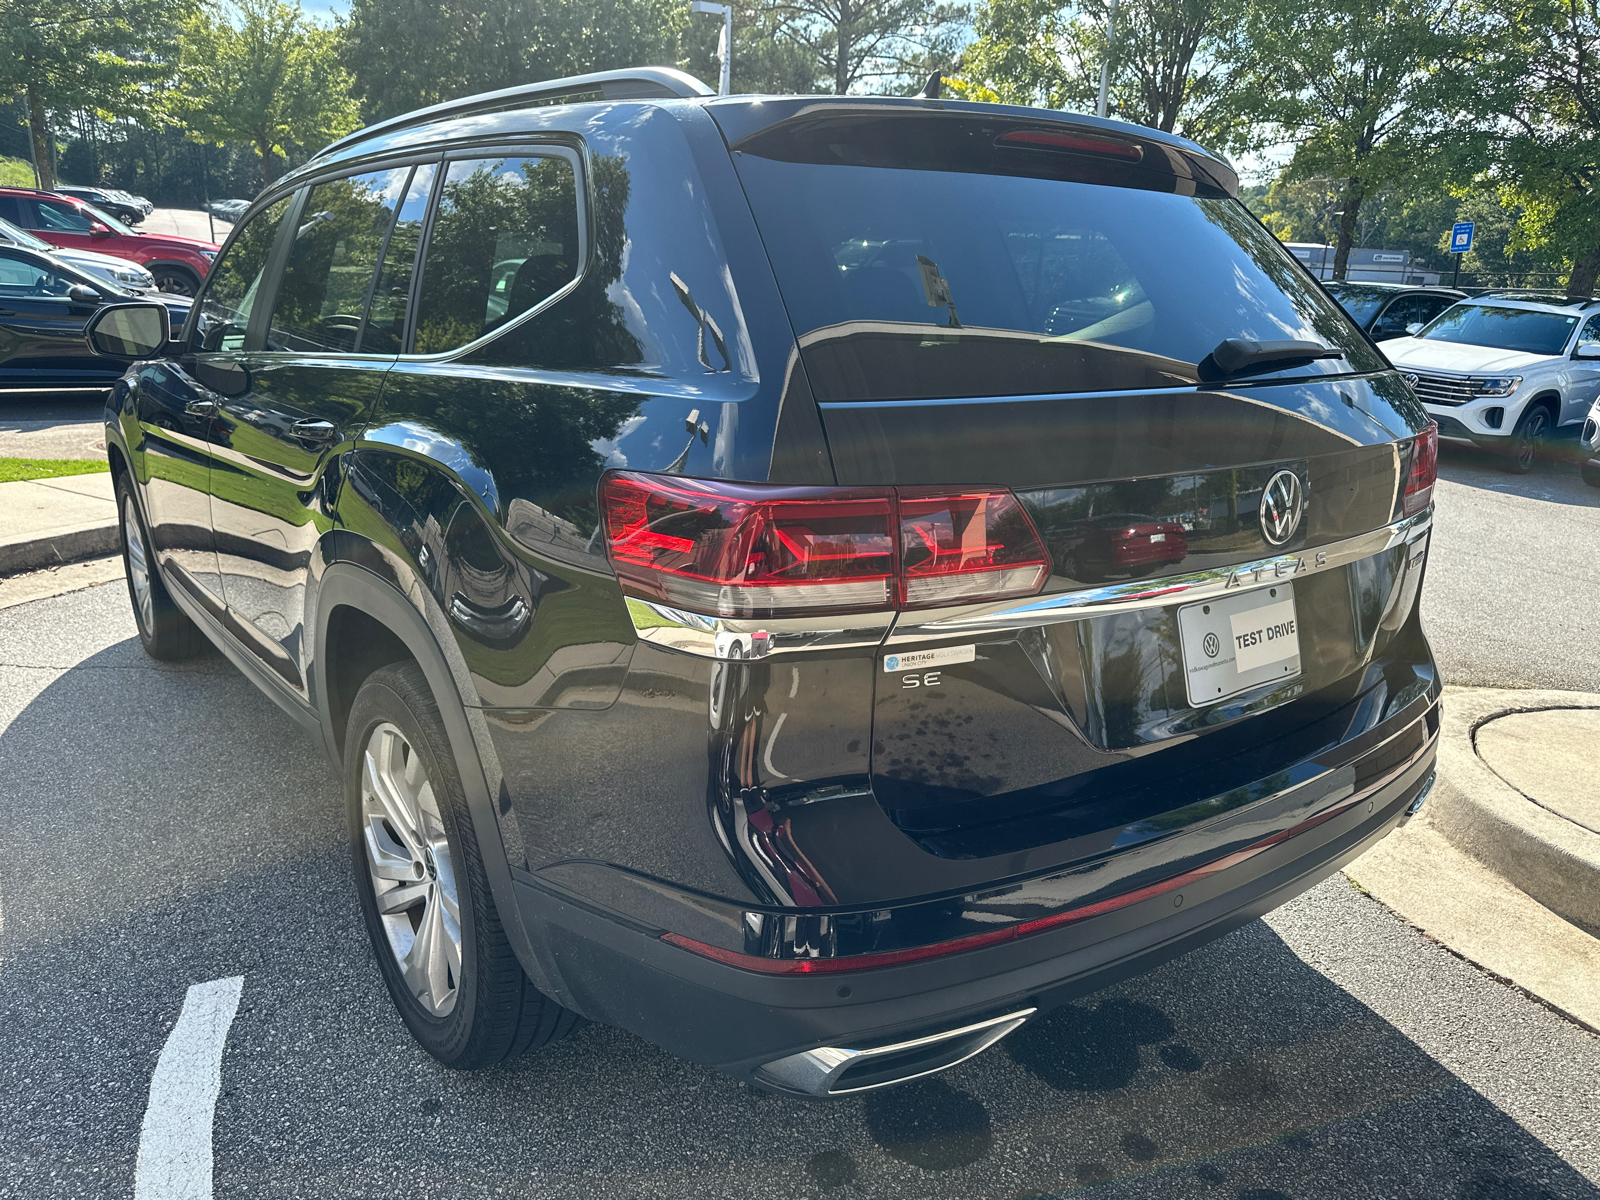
[(47, 522), (1503, 863)]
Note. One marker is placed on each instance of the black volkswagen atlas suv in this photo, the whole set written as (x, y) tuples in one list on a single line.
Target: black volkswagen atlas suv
[(670, 512)]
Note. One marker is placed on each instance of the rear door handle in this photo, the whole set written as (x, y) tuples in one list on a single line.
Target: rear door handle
[(201, 408), (314, 431)]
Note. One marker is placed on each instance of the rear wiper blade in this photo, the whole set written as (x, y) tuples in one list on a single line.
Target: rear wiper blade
[(1234, 355)]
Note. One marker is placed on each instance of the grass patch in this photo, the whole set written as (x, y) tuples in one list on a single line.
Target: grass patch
[(15, 172), (15, 469)]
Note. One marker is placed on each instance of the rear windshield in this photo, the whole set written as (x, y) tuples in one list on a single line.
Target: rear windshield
[(1502, 328), (1360, 304), (909, 283)]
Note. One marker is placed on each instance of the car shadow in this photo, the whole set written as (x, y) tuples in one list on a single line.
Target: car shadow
[(1555, 476), (165, 825)]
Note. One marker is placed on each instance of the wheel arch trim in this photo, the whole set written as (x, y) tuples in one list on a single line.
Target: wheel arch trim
[(346, 584)]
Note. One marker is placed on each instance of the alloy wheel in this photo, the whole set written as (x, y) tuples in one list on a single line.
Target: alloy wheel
[(138, 567), (1534, 430), (174, 284), (412, 870)]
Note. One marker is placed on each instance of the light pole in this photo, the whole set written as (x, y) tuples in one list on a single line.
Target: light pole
[(1105, 62), (724, 43)]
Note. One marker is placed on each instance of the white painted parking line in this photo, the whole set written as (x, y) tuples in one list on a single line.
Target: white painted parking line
[(175, 1141)]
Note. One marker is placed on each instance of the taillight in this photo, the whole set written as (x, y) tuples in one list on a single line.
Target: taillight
[(753, 551), (1424, 470), (735, 550), (966, 546), (1050, 140)]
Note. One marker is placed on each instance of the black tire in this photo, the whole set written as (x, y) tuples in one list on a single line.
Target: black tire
[(494, 1012), (175, 281), (165, 630), (1528, 440)]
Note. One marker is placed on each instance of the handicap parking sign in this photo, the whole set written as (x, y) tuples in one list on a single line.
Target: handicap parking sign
[(1461, 237)]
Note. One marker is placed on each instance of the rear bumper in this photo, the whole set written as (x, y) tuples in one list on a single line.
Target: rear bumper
[(618, 970)]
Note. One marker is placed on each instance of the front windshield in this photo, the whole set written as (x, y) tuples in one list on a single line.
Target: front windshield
[(18, 236), (1359, 303), (106, 218), (1523, 329)]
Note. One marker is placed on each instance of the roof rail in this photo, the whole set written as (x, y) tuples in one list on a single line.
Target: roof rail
[(636, 83)]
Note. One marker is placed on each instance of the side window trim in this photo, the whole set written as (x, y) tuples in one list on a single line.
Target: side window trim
[(580, 174), (383, 253)]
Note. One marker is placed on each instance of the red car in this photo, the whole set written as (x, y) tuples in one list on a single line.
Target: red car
[(1120, 544), (178, 263)]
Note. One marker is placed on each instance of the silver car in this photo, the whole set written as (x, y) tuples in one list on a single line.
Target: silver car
[(129, 276)]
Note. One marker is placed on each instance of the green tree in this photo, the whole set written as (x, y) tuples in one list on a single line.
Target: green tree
[(257, 71), (408, 53), (1365, 89), (101, 55), (855, 43), (1543, 130), (1170, 61)]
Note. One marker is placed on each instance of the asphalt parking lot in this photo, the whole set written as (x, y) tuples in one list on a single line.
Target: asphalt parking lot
[(166, 826)]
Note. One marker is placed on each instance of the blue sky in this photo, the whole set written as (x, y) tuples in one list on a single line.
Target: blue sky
[(323, 10)]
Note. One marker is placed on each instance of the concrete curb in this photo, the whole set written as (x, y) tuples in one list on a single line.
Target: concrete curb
[(56, 548), (1552, 859)]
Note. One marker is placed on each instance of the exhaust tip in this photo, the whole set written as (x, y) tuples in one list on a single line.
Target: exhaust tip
[(1423, 793), (842, 1071)]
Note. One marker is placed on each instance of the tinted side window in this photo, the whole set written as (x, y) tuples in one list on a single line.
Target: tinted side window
[(22, 279), (64, 218), (505, 238), (1589, 339), (386, 316), (323, 297), (235, 281)]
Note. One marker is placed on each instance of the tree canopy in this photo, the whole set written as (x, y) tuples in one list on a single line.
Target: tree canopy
[(257, 71)]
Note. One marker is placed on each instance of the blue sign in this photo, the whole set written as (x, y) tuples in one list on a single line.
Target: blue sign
[(1461, 237)]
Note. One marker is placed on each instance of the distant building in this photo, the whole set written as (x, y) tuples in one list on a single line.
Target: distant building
[(1365, 266)]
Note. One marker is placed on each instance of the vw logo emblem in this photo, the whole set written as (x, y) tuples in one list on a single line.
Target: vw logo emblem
[(1282, 505), (1412, 378), (1212, 645)]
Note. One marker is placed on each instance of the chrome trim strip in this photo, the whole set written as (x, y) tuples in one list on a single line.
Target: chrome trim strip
[(727, 638), (1156, 593), (814, 1072)]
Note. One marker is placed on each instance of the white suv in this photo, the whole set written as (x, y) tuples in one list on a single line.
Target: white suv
[(1589, 446), (1505, 369)]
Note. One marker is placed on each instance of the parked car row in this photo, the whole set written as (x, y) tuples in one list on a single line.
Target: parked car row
[(46, 300), (123, 205), (177, 264), (1505, 370)]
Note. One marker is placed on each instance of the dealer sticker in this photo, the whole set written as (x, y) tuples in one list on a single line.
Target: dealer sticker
[(916, 660)]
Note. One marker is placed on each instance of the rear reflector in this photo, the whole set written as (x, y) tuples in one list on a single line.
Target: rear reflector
[(754, 551), (1042, 139), (1424, 469)]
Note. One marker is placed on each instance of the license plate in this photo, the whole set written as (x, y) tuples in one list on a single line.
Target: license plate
[(1239, 642), (1158, 537)]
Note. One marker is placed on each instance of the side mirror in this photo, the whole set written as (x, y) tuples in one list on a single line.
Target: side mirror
[(98, 230), (1413, 329), (1589, 350), (128, 330), (82, 293)]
